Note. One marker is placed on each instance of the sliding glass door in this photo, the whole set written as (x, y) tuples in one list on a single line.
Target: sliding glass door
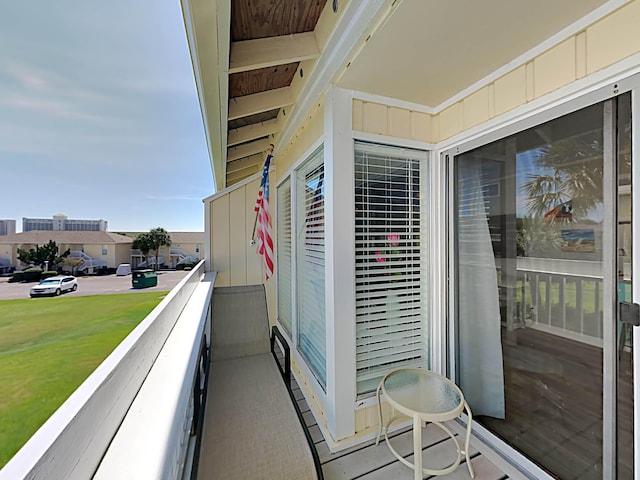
[(542, 256)]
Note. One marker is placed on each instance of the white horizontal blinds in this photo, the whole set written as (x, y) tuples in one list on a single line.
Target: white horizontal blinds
[(389, 311), (285, 287), (310, 264)]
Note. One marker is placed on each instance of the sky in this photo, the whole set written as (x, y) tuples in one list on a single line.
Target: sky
[(99, 116)]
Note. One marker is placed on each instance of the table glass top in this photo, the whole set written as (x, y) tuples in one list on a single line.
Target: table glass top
[(423, 391)]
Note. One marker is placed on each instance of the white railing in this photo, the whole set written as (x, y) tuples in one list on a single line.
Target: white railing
[(105, 412), (561, 297), (87, 261)]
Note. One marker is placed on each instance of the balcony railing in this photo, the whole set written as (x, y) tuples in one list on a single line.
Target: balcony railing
[(134, 416)]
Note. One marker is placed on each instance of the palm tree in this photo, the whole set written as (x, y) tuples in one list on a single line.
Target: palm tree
[(572, 175), (157, 238), (143, 243)]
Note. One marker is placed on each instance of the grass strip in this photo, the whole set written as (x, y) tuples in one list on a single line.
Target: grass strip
[(49, 346)]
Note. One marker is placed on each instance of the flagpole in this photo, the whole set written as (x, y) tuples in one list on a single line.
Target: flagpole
[(255, 220)]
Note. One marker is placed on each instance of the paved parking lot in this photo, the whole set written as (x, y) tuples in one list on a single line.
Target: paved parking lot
[(96, 285)]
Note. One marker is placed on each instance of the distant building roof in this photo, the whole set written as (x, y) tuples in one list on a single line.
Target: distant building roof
[(40, 237), (187, 237), (179, 237)]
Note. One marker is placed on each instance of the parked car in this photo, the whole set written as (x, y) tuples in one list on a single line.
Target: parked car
[(55, 286)]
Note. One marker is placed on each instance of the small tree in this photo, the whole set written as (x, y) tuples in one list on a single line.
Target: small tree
[(72, 264), (143, 243), (41, 256)]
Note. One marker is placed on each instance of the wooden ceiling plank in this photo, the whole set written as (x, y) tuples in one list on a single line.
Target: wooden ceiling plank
[(260, 102), (271, 51), (252, 162), (247, 149), (234, 178), (251, 132)]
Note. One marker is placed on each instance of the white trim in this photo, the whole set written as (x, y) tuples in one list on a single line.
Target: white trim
[(635, 235), (437, 312), (339, 263), (510, 461), (350, 27), (550, 42), (617, 79), (393, 141), (393, 102), (207, 237)]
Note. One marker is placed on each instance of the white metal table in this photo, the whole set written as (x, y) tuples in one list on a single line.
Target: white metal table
[(424, 396)]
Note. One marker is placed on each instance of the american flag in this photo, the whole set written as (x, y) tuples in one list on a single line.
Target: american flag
[(263, 222)]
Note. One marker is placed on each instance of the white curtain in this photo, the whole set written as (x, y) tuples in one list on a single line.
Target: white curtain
[(479, 345)]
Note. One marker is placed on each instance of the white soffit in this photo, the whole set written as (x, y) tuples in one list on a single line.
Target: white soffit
[(429, 50)]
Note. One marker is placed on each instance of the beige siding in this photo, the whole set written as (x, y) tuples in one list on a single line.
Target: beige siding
[(309, 132), (232, 220), (509, 91), (391, 121), (254, 272), (123, 254), (601, 45), (613, 38), (238, 239), (555, 68), (220, 248), (451, 120), (476, 108)]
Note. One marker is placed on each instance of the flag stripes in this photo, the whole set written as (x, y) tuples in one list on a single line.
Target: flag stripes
[(263, 222)]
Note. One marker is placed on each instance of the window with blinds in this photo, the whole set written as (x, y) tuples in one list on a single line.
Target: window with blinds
[(390, 316), (310, 263), (285, 287)]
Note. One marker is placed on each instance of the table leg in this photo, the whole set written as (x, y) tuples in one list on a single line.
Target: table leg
[(417, 447), (379, 412), (466, 442)]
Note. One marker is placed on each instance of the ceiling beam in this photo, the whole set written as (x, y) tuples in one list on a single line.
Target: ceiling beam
[(254, 161), (247, 149), (271, 51), (233, 178), (260, 102), (251, 132)]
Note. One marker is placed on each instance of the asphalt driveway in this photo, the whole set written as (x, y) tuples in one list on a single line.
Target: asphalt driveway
[(98, 285)]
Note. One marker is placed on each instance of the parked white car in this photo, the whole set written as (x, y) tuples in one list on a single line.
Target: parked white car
[(54, 286)]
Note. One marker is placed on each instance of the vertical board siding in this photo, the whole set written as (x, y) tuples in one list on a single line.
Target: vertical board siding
[(421, 126), (232, 219), (254, 274), (451, 120), (613, 38), (220, 254), (509, 91), (476, 108), (391, 121), (399, 122), (605, 42), (555, 68), (374, 118), (238, 238)]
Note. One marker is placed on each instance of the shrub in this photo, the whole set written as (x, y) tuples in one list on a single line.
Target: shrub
[(17, 277), (28, 275), (48, 273)]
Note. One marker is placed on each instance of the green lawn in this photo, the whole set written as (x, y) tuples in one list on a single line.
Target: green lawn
[(49, 346)]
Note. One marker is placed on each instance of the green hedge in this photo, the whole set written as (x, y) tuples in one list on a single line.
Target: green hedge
[(28, 275)]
